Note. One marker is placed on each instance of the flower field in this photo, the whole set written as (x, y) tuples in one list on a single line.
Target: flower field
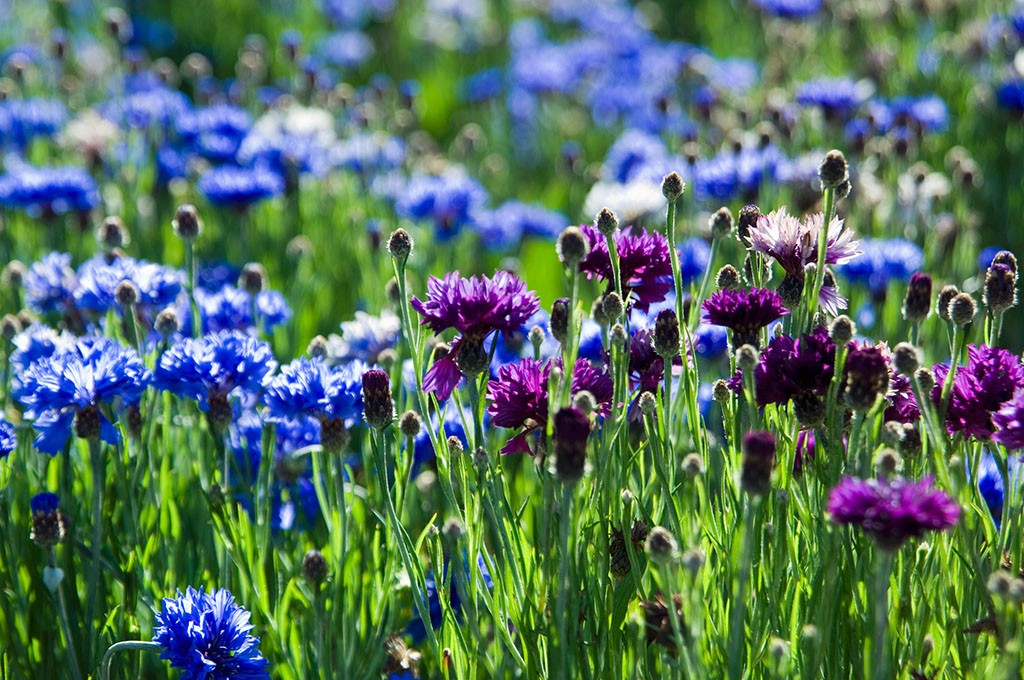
[(511, 339)]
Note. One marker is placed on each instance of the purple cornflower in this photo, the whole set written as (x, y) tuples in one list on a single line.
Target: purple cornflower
[(866, 375), (645, 265), (519, 396), (799, 370), (745, 312), (309, 387), (903, 406), (989, 380), (1009, 422), (206, 635), (212, 369), (892, 511), (476, 307), (80, 388), (794, 245)]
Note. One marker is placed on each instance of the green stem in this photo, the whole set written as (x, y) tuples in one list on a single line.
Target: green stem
[(738, 606), (880, 602), (819, 275), (705, 285), (561, 650), (954, 361), (190, 274), (125, 646), (65, 623), (96, 462)]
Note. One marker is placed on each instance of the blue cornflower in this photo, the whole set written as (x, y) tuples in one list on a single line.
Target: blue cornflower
[(46, 191), (504, 227), (990, 482), (483, 85), (206, 636), (790, 9), (882, 261), (417, 629), (694, 257), (37, 342), (231, 308), (837, 97), (154, 107), (98, 279), (311, 388), (44, 503), (368, 153), (50, 284), (365, 337), (929, 113), (22, 120), (346, 49), (715, 177), (289, 139), (710, 342), (448, 201), (231, 185), (8, 438), (635, 154), (84, 387), (214, 132), (1010, 95), (214, 368)]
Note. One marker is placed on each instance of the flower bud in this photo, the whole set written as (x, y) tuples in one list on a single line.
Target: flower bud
[(317, 347), (585, 401), (378, 409), (314, 567), (14, 274), (918, 300), (962, 309), (749, 215), (693, 465), (647, 403), (721, 223), (666, 334), (400, 245), (559, 319), (925, 379), (728, 278), (572, 429), (906, 359), (606, 222), (661, 546), (1000, 293), (536, 336), (612, 306), (253, 278), (126, 294), (758, 462), (833, 170), (453, 530), (49, 525), (721, 391), (410, 424), (572, 247), (747, 357), (842, 330), (617, 336), (886, 463), (111, 234), (187, 224), (672, 186), (946, 296), (9, 327)]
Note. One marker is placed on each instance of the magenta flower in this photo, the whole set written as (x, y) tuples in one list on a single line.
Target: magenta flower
[(644, 264), (989, 380), (519, 396), (475, 307), (892, 511), (745, 312), (791, 368)]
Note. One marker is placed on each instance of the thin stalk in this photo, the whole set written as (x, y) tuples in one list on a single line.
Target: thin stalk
[(829, 196), (561, 650), (880, 602), (190, 282), (125, 646), (954, 361), (65, 623), (96, 462), (738, 606), (705, 284)]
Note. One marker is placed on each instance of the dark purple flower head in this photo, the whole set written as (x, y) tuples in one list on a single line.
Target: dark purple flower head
[(572, 429), (1009, 423), (903, 406), (794, 368), (645, 264), (476, 307), (989, 380), (378, 408), (519, 396), (93, 379), (745, 312), (892, 511), (206, 635), (866, 376)]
